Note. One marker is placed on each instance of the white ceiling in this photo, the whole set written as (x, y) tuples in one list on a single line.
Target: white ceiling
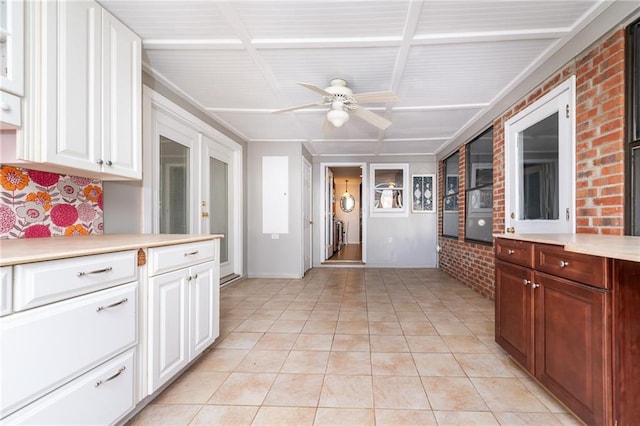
[(446, 60)]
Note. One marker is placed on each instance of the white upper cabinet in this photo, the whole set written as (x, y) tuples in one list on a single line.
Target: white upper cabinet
[(83, 92), (11, 63)]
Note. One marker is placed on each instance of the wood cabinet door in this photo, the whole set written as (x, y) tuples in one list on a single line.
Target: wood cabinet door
[(203, 288), (572, 348), (168, 326), (514, 312), (73, 84)]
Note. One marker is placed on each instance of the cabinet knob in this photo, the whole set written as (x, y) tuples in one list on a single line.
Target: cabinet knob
[(195, 277), (109, 163), (510, 251), (5, 107), (563, 263), (526, 281), (534, 285), (100, 161), (189, 278)]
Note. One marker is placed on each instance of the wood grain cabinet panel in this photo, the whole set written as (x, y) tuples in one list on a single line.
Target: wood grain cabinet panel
[(579, 267), (513, 251), (572, 349)]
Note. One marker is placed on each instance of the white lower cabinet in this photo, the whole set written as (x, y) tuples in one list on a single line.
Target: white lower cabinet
[(184, 314), (99, 397)]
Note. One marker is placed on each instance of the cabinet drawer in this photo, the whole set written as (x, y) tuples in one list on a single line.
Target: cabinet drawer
[(85, 402), (5, 290), (45, 347), (513, 251), (170, 258), (40, 283), (10, 111), (583, 268)]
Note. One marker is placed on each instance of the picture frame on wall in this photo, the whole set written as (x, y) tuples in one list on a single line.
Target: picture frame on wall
[(422, 193)]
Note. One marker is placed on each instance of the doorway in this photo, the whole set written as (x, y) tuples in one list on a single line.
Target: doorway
[(344, 213)]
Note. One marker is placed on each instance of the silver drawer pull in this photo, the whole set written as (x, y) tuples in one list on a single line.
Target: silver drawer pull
[(99, 382), (113, 305), (192, 253), (509, 251), (97, 271), (563, 263)]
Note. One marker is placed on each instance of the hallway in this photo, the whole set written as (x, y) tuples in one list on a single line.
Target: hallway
[(357, 347)]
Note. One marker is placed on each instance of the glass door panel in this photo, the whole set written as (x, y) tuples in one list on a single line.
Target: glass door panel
[(174, 184), (219, 199)]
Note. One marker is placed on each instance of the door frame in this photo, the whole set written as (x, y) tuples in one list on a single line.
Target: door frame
[(364, 202), (307, 201), (153, 101)]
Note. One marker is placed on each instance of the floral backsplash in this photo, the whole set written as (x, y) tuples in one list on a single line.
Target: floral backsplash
[(41, 204)]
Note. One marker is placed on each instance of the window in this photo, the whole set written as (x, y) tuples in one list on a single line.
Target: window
[(633, 154), (450, 197), (540, 165), (388, 183), (479, 188)]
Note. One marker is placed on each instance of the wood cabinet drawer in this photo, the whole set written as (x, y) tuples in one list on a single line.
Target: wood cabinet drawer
[(45, 347), (583, 268), (5, 290), (36, 284), (85, 402), (513, 251), (170, 258)]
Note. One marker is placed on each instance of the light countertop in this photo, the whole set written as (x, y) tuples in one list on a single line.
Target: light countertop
[(28, 250), (611, 246)]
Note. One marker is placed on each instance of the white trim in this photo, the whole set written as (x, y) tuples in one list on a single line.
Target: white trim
[(306, 164), (406, 188)]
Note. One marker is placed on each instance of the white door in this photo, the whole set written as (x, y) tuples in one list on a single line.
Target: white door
[(169, 334), (540, 165), (307, 209), (218, 196), (73, 63), (328, 212), (203, 282), (175, 188)]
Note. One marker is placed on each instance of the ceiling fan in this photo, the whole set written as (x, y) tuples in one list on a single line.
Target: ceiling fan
[(342, 101)]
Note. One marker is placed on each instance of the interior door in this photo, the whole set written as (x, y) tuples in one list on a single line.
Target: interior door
[(175, 176), (307, 210), (328, 212), (539, 164), (217, 202)]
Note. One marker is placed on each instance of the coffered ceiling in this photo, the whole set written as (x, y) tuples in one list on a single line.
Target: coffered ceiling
[(447, 61)]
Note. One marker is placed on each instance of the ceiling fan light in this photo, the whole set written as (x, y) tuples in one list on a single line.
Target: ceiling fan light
[(337, 117)]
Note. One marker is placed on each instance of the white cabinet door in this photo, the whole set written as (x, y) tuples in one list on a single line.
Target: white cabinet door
[(12, 47), (169, 327), (74, 83), (122, 104), (205, 310)]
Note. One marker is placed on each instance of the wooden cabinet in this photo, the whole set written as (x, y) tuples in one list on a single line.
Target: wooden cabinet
[(571, 345), (554, 326), (184, 308), (83, 92)]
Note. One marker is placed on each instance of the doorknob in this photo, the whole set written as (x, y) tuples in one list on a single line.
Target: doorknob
[(310, 222), (205, 214)]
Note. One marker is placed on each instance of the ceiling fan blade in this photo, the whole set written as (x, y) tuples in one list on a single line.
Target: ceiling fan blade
[(371, 117), (293, 108), (316, 89), (375, 97)]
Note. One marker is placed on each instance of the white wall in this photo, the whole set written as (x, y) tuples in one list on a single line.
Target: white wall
[(269, 257), (389, 242)]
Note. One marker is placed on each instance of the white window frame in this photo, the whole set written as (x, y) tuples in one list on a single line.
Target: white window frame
[(377, 211), (561, 100)]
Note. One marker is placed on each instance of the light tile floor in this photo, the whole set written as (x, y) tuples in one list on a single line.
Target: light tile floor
[(350, 346)]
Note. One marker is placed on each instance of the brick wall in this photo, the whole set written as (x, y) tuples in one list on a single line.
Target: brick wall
[(599, 160)]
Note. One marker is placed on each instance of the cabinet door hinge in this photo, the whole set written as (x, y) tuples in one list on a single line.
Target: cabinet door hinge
[(568, 214), (567, 111)]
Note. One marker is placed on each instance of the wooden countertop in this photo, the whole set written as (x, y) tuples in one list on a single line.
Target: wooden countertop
[(29, 250), (611, 246)]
